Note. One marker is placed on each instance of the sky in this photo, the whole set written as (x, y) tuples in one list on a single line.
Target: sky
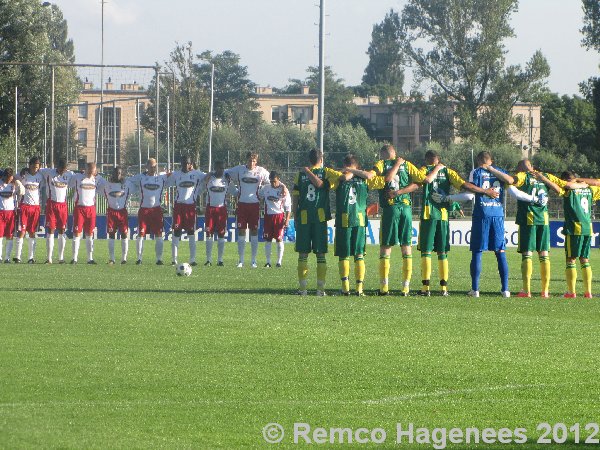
[(278, 39)]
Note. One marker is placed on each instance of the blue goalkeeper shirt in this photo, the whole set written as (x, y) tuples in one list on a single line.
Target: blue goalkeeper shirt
[(484, 205)]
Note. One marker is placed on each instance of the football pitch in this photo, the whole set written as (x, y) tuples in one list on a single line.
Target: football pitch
[(134, 356)]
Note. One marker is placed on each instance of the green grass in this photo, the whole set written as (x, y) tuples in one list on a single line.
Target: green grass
[(127, 356)]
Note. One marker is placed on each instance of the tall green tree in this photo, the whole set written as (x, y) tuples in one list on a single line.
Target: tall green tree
[(458, 46), (591, 24), (384, 75)]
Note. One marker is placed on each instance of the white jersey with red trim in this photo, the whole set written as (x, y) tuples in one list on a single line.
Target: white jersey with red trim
[(9, 195), (189, 185), (32, 184), (277, 200), (116, 194), (217, 190), (57, 184), (150, 187), (85, 188), (248, 181)]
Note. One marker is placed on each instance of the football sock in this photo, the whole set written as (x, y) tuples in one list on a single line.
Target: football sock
[(1, 248), (502, 270), (31, 247), (174, 248), (158, 247), (254, 247), (209, 246), (76, 242), (268, 251), (241, 241), (321, 272), (526, 272), (571, 274), (62, 243), (425, 270), (9, 247), (406, 272), (139, 247), (280, 248), (192, 242), (302, 271), (586, 273), (50, 245), (443, 270), (359, 272), (89, 245), (344, 267), (124, 248), (384, 272), (220, 249), (545, 272), (19, 248), (111, 249), (475, 270)]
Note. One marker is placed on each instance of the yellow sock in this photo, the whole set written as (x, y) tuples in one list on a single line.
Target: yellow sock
[(586, 273), (425, 271), (545, 272), (526, 272), (571, 274), (302, 271), (443, 270), (406, 272), (344, 266), (384, 273), (359, 272), (321, 272)]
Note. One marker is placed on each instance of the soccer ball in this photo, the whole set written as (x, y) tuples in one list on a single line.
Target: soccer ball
[(184, 270)]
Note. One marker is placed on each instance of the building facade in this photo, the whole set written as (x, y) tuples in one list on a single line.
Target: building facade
[(300, 109)]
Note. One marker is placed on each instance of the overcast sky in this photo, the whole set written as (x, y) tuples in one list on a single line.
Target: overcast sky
[(278, 39)]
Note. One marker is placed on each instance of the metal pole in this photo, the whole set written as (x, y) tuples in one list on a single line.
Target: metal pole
[(101, 148), (45, 135), (169, 135), (212, 100), (148, 150), (321, 73), (52, 120), (68, 130), (156, 110), (114, 134), (139, 131), (16, 129)]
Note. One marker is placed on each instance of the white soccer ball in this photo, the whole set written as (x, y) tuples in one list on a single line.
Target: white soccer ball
[(184, 270)]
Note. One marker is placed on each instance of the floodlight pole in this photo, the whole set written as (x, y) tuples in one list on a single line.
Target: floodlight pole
[(139, 131), (212, 100), (114, 134), (16, 129), (321, 73), (169, 134), (45, 135), (52, 119), (156, 110)]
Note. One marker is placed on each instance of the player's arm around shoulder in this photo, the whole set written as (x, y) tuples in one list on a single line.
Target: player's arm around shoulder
[(519, 179), (595, 193), (376, 182)]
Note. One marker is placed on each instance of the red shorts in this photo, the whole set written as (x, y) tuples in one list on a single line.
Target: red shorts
[(84, 219), (150, 220), (7, 224), (117, 220), (273, 227), (247, 215), (184, 217), (56, 215), (29, 218), (215, 220)]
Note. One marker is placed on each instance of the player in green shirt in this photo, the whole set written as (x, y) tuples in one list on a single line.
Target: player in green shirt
[(310, 204), (578, 199)]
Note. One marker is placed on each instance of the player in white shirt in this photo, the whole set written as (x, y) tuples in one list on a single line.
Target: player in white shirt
[(29, 209), (217, 186), (151, 187), (84, 213), (56, 181), (249, 178), (11, 190), (189, 184), (117, 192), (278, 207)]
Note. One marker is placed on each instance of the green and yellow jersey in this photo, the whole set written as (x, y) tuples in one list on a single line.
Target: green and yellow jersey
[(351, 200), (407, 173), (528, 213), (445, 179), (577, 204), (313, 204)]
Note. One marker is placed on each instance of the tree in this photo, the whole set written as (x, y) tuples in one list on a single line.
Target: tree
[(591, 24), (342, 139), (465, 61), (384, 75)]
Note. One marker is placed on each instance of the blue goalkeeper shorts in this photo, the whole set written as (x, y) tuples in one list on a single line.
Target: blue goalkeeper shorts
[(487, 233)]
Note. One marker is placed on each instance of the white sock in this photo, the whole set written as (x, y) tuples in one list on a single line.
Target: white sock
[(174, 248), (9, 247), (1, 248), (31, 248), (76, 242), (192, 239), (254, 246), (19, 248), (124, 248), (158, 247), (62, 243), (209, 245), (111, 249), (139, 247), (268, 251), (89, 245), (221, 249), (50, 246), (280, 248), (241, 247)]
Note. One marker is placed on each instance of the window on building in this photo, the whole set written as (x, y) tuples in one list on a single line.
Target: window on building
[(277, 114), (82, 112), (302, 114), (82, 136), (383, 120), (142, 106)]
